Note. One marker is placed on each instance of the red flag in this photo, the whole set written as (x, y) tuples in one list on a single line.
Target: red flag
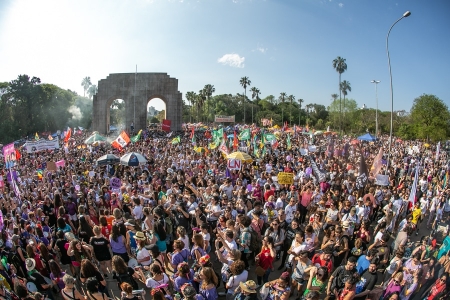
[(275, 145), (192, 133), (68, 135), (18, 155), (122, 140), (235, 141), (208, 134), (166, 125)]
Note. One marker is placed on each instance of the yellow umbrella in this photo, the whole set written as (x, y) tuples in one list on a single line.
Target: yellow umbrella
[(427, 145), (276, 127), (200, 149), (242, 156)]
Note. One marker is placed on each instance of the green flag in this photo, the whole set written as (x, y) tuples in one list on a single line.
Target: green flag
[(270, 137), (217, 136), (136, 138), (176, 140), (244, 135), (288, 142)]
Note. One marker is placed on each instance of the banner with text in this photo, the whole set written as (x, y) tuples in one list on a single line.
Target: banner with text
[(224, 119), (285, 178), (41, 145), (9, 153)]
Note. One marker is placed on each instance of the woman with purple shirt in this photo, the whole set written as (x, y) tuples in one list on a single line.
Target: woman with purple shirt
[(394, 285), (184, 275), (209, 283), (179, 255)]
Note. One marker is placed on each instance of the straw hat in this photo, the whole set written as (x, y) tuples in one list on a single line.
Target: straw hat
[(139, 236), (30, 264), (249, 286)]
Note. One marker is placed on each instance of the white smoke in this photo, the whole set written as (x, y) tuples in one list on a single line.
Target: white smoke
[(76, 112)]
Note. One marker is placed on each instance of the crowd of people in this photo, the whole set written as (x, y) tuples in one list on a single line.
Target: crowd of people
[(182, 226)]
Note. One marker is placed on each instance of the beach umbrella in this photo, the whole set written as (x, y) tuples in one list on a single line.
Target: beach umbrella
[(367, 137), (94, 138), (354, 142), (200, 149), (318, 132), (327, 133), (242, 156), (108, 159), (133, 159), (427, 145)]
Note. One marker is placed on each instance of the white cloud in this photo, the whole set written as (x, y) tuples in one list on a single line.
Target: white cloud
[(341, 5), (261, 49), (232, 60)]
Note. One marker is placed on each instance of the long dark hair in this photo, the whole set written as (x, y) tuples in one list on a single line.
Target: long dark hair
[(84, 226), (77, 254), (55, 269), (88, 269), (115, 232)]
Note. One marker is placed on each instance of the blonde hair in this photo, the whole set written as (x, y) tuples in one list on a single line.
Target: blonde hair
[(96, 230), (181, 231)]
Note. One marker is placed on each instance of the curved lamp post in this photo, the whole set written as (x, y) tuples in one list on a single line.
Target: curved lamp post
[(376, 112), (405, 15)]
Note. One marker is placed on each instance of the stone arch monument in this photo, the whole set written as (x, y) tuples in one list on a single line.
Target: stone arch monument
[(136, 90)]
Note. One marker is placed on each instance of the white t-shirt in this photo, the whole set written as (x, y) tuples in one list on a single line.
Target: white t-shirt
[(152, 283), (289, 211), (137, 212), (233, 281), (143, 253), (185, 241)]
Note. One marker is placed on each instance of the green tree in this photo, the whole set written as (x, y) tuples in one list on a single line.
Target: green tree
[(340, 66), (282, 97), (255, 94), (345, 87), (291, 99), (92, 90), (192, 98), (430, 117), (86, 83), (245, 82), (300, 101), (208, 90)]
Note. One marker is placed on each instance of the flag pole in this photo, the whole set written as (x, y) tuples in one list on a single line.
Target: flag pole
[(134, 102)]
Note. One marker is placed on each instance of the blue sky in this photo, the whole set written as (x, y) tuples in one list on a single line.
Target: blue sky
[(282, 46)]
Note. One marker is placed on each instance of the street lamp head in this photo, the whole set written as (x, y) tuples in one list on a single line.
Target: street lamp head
[(406, 14), (375, 81)]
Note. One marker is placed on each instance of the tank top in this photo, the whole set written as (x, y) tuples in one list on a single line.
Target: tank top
[(119, 246), (132, 240)]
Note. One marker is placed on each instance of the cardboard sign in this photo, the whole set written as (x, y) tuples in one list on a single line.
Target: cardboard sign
[(91, 174), (115, 183), (234, 164), (51, 166), (381, 179), (285, 178)]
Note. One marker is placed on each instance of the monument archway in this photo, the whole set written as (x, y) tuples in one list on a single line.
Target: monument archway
[(136, 90)]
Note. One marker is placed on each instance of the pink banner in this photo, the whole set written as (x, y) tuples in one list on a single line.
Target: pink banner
[(60, 163), (10, 155)]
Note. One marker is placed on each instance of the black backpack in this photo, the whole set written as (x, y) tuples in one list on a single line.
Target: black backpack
[(121, 278)]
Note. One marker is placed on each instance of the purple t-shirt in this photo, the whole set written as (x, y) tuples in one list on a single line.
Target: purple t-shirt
[(179, 281), (58, 280), (210, 294), (180, 257)]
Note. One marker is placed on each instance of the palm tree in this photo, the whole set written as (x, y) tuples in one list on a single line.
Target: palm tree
[(86, 83), (345, 88), (245, 82), (191, 97), (208, 90), (334, 97), (300, 101), (200, 100), (92, 90), (255, 94), (340, 66), (282, 97), (291, 99)]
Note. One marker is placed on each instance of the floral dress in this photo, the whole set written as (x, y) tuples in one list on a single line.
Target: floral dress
[(276, 292)]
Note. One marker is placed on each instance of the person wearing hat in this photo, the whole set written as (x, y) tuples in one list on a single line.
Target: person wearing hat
[(189, 292), (142, 254), (352, 220), (131, 244), (35, 277), (246, 291)]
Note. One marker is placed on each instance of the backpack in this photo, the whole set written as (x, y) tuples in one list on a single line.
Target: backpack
[(128, 279), (255, 241), (168, 225)]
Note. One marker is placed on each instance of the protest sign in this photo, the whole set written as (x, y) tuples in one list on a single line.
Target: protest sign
[(51, 166), (285, 178), (91, 174), (9, 153), (234, 164), (34, 146), (381, 179), (60, 163), (115, 183)]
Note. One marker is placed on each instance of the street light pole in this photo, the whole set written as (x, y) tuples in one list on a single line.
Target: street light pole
[(405, 15), (376, 112)]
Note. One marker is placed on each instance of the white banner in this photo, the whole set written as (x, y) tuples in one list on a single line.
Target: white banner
[(34, 146), (234, 164)]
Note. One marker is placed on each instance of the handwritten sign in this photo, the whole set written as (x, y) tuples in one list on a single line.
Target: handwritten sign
[(115, 183), (51, 166), (285, 178), (234, 164)]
